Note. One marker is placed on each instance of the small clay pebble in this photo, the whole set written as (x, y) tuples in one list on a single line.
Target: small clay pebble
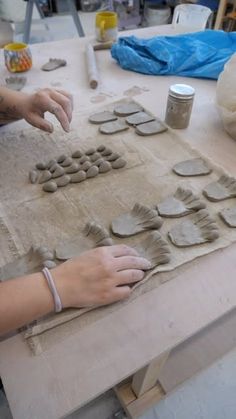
[(113, 156), (54, 167), (58, 172), (50, 187), (76, 154), (61, 158), (51, 163), (90, 151), (92, 172), (106, 152), (47, 255), (86, 165), (101, 148), (78, 177), (73, 168), (98, 162), (83, 159), (63, 181), (67, 162), (49, 264), (41, 250), (41, 166), (118, 164), (104, 167), (45, 176), (33, 176), (95, 156)]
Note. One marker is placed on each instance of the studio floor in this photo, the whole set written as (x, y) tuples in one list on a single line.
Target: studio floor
[(209, 395)]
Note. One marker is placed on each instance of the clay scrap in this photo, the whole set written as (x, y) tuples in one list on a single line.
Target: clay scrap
[(222, 189), (15, 82), (139, 219), (113, 127), (155, 249), (139, 118), (53, 64), (183, 202), (125, 109), (92, 236), (192, 167), (228, 215), (197, 229), (151, 128)]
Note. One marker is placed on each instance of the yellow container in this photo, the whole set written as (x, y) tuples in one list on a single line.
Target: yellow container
[(106, 26), (18, 57)]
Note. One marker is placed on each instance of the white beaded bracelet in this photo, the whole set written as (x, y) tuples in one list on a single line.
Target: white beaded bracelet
[(52, 287)]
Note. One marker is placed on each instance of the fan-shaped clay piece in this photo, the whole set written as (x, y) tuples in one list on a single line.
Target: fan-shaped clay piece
[(104, 167), (53, 64), (15, 82), (155, 249), (140, 218), (113, 127), (33, 176), (150, 128), (92, 171), (125, 109), (61, 158), (41, 166), (228, 215), (59, 171), (197, 229), (224, 188), (100, 117), (183, 202), (139, 118), (119, 163), (92, 236), (45, 176), (73, 168), (192, 167), (67, 162), (50, 186), (78, 177), (101, 148), (113, 156), (77, 154), (63, 180)]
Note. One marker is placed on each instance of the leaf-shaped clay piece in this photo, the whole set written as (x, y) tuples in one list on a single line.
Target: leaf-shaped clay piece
[(228, 215), (92, 236), (154, 248), (192, 167), (139, 219), (183, 202), (197, 229), (222, 189)]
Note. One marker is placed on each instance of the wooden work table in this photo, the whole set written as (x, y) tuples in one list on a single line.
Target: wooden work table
[(101, 356)]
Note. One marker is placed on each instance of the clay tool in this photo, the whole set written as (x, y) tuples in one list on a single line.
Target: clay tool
[(91, 66)]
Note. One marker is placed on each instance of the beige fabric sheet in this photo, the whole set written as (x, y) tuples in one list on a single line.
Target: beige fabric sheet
[(35, 217)]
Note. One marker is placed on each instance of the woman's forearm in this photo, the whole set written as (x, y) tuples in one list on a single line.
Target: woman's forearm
[(10, 105)]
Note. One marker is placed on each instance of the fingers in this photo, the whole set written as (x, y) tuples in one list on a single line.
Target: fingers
[(57, 110), (39, 122), (122, 250), (129, 276), (119, 293), (65, 101), (131, 262)]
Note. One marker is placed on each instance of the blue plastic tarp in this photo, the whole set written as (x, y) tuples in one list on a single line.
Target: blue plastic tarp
[(199, 54)]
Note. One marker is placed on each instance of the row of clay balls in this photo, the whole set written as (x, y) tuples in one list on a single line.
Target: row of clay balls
[(46, 256), (75, 168)]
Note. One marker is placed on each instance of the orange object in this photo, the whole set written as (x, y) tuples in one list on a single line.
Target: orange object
[(18, 57)]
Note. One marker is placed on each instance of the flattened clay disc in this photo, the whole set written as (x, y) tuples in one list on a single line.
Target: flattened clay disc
[(193, 167), (113, 127), (53, 63), (139, 118), (150, 128), (100, 117), (126, 109), (172, 207), (228, 215)]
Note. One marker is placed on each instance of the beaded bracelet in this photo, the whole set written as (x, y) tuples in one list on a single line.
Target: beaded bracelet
[(52, 287)]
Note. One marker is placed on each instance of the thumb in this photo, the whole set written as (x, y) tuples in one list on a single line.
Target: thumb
[(39, 122)]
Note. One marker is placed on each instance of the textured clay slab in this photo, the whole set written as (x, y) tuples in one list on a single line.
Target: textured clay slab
[(53, 63), (125, 109), (197, 229), (92, 236), (15, 82), (113, 127), (139, 118), (183, 202), (193, 167), (140, 218), (150, 128), (228, 215), (100, 117), (224, 188), (155, 249)]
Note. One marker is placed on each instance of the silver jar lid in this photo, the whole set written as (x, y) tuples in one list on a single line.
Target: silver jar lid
[(182, 91)]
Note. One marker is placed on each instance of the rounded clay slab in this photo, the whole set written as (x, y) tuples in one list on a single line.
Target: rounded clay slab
[(125, 109), (100, 117), (119, 163), (50, 186), (192, 167), (92, 172), (150, 128), (139, 118), (113, 127), (45, 176), (78, 177), (63, 180)]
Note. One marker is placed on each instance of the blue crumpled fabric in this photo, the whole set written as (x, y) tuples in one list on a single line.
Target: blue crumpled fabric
[(199, 54)]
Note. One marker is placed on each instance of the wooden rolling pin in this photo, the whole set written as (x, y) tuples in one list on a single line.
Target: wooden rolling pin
[(91, 66)]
